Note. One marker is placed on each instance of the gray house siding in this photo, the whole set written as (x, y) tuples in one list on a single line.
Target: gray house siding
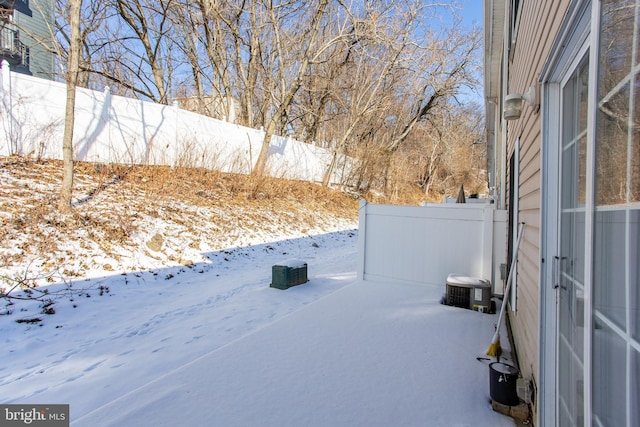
[(36, 27)]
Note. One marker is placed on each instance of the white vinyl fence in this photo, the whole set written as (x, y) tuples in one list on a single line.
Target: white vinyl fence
[(424, 244), (115, 129)]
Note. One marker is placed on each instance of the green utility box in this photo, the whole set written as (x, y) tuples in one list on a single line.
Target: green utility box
[(288, 273)]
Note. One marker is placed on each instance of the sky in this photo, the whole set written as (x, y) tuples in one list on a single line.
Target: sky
[(472, 15), (472, 12)]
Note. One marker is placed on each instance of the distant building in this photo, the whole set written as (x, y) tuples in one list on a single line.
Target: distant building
[(22, 22)]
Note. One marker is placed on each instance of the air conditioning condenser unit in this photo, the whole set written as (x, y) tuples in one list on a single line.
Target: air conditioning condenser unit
[(469, 292)]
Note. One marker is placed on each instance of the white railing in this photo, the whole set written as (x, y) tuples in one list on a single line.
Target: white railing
[(114, 129), (424, 244)]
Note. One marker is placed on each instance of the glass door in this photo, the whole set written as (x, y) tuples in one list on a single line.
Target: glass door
[(590, 336), (571, 245)]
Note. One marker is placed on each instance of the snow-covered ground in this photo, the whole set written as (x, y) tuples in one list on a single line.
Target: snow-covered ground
[(153, 308), (213, 345)]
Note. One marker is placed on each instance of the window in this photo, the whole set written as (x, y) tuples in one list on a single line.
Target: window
[(513, 25)]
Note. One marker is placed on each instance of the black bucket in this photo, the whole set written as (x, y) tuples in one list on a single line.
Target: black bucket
[(503, 382)]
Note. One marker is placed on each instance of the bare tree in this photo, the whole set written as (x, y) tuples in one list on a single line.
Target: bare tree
[(187, 23), (92, 18), (317, 104), (379, 41), (216, 30), (64, 204), (444, 152), (283, 80), (447, 62), (401, 74), (149, 22), (124, 45), (366, 79)]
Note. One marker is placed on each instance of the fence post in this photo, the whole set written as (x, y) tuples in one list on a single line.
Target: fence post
[(487, 243), (362, 236), (106, 118), (6, 77), (176, 134), (7, 103)]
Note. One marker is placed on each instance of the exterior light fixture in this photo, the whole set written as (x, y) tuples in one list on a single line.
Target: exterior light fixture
[(513, 103)]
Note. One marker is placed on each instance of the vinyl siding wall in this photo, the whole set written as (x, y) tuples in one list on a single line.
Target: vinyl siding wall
[(538, 26), (41, 25)]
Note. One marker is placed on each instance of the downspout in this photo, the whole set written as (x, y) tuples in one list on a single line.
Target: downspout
[(503, 122)]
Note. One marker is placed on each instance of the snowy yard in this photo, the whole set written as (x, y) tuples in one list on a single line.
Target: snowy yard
[(214, 345)]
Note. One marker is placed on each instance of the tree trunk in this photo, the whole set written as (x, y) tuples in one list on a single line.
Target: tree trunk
[(326, 179), (64, 204), (261, 163)]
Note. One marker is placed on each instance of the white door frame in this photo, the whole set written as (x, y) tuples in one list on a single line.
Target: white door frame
[(573, 41)]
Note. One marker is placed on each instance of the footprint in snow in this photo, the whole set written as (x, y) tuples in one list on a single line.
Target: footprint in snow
[(197, 337), (94, 366)]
